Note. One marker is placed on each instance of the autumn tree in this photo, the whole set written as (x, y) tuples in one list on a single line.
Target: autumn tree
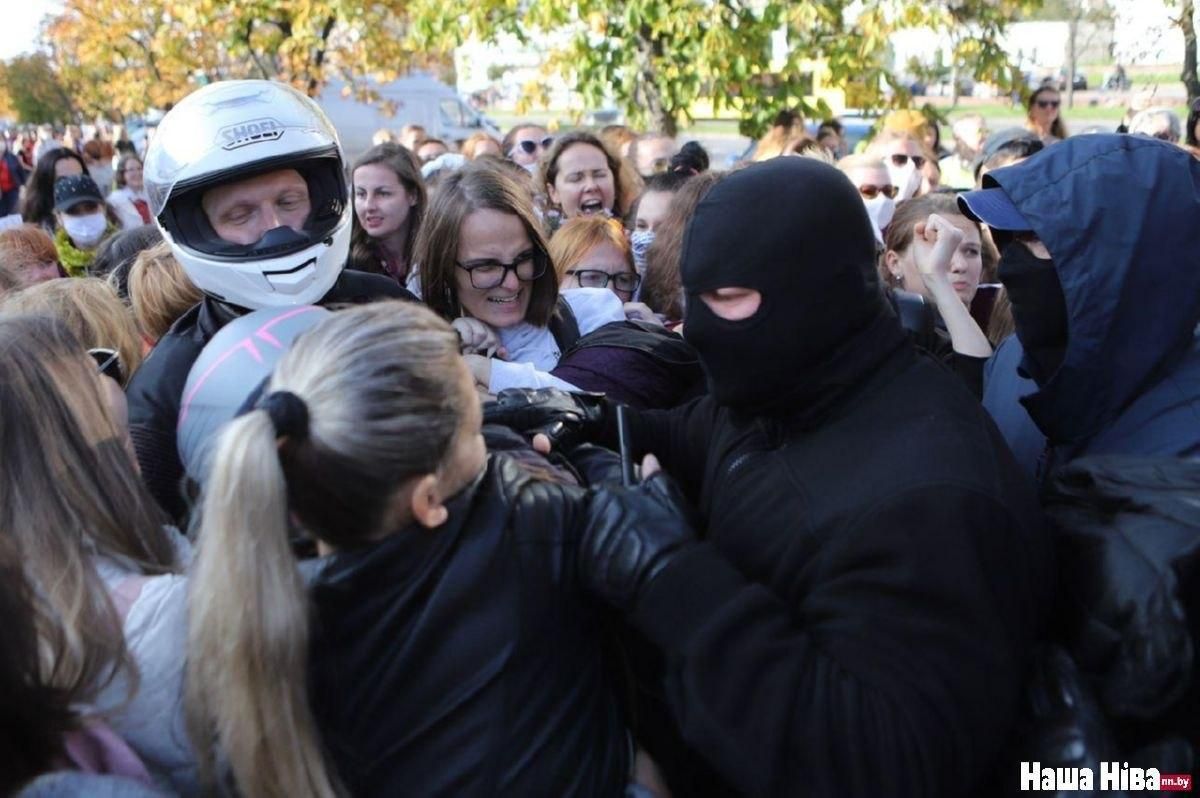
[(120, 57)]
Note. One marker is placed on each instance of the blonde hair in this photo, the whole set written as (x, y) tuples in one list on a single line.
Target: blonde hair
[(861, 161), (384, 136), (382, 386), (90, 309), (68, 493), (576, 238), (159, 291)]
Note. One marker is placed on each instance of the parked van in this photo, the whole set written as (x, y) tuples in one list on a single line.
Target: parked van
[(417, 99)]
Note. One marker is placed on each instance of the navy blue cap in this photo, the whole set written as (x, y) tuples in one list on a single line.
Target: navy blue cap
[(992, 207), (74, 189)]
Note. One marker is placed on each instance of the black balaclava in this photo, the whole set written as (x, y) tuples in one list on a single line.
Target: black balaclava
[(1039, 309), (796, 231)]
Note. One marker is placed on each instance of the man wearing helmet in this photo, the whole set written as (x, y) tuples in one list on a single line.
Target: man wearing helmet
[(246, 182)]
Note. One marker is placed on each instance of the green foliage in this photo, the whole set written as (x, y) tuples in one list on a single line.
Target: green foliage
[(657, 58), (34, 92)]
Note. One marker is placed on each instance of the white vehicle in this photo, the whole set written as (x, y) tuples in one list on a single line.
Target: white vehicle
[(417, 100)]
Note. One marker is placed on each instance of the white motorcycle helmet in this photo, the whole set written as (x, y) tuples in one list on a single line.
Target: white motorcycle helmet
[(231, 131)]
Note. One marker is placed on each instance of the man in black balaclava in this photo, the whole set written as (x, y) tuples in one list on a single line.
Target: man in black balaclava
[(858, 612)]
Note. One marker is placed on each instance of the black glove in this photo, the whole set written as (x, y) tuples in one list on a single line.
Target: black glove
[(631, 536), (566, 418)]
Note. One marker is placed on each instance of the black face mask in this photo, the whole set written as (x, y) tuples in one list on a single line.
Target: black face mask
[(796, 231), (1039, 309)]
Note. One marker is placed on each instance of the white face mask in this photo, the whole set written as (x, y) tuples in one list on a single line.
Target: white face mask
[(880, 209), (639, 242), (85, 231), (906, 178)]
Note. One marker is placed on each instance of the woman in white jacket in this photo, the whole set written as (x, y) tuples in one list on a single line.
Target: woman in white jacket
[(93, 543), (129, 200)]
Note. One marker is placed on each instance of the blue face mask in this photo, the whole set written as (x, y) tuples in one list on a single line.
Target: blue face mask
[(640, 241)]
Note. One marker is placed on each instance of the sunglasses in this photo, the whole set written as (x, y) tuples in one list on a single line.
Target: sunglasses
[(900, 159), (871, 192), (108, 363), (1048, 103), (529, 146)]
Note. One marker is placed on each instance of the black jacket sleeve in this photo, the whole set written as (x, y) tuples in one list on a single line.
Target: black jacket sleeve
[(154, 395), (679, 438), (895, 673)]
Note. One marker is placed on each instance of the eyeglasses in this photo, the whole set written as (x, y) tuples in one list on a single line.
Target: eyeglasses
[(594, 278), (900, 159), (530, 146), (871, 192), (491, 273), (1048, 103), (108, 363)]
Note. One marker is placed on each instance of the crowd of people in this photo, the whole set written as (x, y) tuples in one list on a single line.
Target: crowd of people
[(565, 464)]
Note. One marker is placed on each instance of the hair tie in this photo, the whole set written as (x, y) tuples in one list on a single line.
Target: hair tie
[(288, 413)]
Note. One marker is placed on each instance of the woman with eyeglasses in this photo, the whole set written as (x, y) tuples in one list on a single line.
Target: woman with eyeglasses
[(904, 157), (1043, 117), (525, 144), (486, 269), (594, 253)]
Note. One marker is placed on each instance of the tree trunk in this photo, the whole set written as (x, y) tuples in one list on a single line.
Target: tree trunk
[(1072, 58), (1187, 21), (954, 84), (647, 93)]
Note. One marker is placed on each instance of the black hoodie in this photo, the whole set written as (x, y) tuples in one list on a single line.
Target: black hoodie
[(860, 614)]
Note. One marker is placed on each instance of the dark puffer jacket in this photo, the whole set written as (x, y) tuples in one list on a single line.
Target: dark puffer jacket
[(1129, 544), (465, 661)]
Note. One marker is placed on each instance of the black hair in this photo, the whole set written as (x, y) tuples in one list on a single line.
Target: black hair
[(692, 159), (829, 126), (38, 205)]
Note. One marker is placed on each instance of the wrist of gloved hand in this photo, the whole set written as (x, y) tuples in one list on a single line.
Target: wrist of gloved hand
[(632, 535), (567, 418)]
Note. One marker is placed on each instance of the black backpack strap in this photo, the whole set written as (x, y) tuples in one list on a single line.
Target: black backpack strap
[(564, 326)]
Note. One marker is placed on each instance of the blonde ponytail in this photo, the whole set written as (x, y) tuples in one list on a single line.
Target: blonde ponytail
[(248, 627)]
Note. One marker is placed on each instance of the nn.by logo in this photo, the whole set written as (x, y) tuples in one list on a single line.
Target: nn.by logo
[(251, 132), (1113, 776)]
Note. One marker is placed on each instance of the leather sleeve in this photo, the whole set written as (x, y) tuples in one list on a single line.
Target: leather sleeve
[(679, 438)]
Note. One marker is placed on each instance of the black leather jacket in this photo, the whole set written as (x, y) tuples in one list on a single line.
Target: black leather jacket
[(465, 660), (155, 391)]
